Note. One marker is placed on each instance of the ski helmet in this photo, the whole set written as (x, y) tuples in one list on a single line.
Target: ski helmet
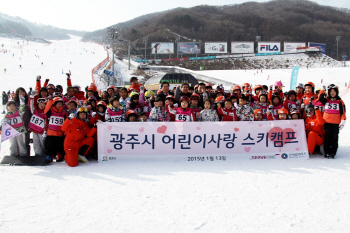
[(131, 112), (81, 110), (278, 84), (59, 88), (184, 98), (195, 96), (334, 87), (282, 111), (56, 100), (219, 99)]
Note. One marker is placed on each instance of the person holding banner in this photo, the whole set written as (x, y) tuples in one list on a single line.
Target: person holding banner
[(15, 118)]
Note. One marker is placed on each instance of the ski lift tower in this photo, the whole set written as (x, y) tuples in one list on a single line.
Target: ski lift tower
[(113, 34)]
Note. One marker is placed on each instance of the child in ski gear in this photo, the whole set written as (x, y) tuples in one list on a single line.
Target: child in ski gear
[(291, 101), (208, 114), (182, 113), (55, 138), (72, 106), (143, 117), (300, 91), (281, 113), (70, 96), (228, 113), (258, 115), (334, 117), (276, 102), (195, 98), (262, 103), (38, 125), (79, 138), (114, 112), (309, 92), (131, 116), (100, 113), (15, 118), (257, 90), (314, 128), (295, 114), (244, 111), (169, 100), (158, 112)]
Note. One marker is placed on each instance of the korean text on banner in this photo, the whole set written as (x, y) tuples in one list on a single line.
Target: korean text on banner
[(8, 132), (294, 78), (202, 141)]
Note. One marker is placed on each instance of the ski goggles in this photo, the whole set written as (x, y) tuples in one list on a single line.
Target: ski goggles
[(309, 110), (333, 86), (82, 109), (41, 101)]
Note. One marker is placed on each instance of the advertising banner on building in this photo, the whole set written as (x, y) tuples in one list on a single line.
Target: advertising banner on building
[(215, 47), (319, 45), (290, 47), (242, 47), (162, 48), (202, 141), (188, 48), (269, 47)]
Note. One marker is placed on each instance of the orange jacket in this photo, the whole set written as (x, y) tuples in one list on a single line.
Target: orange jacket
[(47, 111), (300, 96), (269, 96), (333, 118), (307, 96), (76, 130), (80, 96), (315, 123), (136, 87), (38, 85)]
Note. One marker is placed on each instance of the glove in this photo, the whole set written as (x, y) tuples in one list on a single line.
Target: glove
[(47, 80), (4, 121), (142, 88), (71, 116), (325, 88), (302, 106), (270, 107), (236, 105), (38, 78), (176, 105), (68, 76), (43, 136), (21, 100), (93, 114), (342, 124), (99, 121)]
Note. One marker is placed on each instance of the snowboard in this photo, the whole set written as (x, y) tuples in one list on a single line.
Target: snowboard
[(23, 160)]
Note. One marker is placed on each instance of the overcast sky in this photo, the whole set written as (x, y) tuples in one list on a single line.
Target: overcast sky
[(90, 15)]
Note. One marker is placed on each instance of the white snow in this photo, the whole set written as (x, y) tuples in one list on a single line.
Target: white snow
[(137, 196)]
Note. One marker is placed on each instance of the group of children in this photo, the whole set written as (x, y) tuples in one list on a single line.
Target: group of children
[(64, 125)]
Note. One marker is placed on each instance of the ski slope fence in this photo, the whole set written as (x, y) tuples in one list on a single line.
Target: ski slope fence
[(96, 68)]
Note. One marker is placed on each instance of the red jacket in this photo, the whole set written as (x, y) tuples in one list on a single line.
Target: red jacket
[(315, 123), (75, 130), (228, 114)]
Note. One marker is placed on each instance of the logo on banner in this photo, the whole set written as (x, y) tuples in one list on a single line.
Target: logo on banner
[(284, 156), (269, 48), (8, 132)]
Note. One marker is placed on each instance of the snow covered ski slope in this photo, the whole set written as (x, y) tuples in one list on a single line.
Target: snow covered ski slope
[(137, 196)]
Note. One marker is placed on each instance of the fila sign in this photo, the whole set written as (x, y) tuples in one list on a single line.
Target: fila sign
[(269, 47)]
